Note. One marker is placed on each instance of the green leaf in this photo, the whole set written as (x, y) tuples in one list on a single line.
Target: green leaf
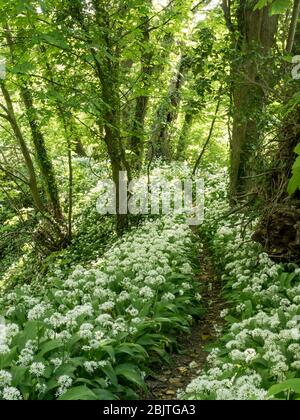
[(55, 38), (129, 372), (297, 149), (279, 7), (261, 4), (49, 346), (110, 351), (22, 68), (104, 395), (78, 393), (296, 165), (7, 359), (18, 373), (65, 369), (290, 384), (282, 318), (249, 309), (132, 349), (110, 373), (294, 183)]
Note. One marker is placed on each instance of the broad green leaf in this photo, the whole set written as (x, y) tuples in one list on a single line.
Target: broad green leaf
[(131, 349), (294, 183), (22, 68), (279, 7), (55, 38), (110, 373), (297, 149), (296, 165), (78, 393), (49, 346), (104, 395), (261, 4), (129, 372), (289, 384), (18, 373), (7, 359)]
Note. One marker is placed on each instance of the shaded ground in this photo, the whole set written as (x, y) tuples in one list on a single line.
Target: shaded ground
[(165, 382), (279, 232)]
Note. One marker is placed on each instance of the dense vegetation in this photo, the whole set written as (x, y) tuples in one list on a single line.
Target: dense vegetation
[(163, 91)]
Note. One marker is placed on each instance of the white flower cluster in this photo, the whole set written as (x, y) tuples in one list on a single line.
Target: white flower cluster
[(211, 386), (64, 383)]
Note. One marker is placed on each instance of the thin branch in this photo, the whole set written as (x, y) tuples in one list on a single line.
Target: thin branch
[(210, 132), (6, 171), (6, 117), (147, 21)]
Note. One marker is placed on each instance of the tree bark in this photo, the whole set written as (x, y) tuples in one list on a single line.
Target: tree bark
[(32, 182), (137, 140), (167, 113), (182, 142), (251, 81), (42, 156)]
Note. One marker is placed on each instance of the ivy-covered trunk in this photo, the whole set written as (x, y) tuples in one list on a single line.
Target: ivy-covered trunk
[(42, 156), (251, 81), (32, 177)]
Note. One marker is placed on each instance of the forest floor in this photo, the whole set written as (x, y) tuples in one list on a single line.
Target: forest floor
[(167, 380)]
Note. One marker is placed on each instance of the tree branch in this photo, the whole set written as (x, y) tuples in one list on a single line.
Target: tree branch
[(210, 132)]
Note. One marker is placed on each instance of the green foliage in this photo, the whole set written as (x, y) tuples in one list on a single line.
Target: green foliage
[(294, 183), (288, 387), (276, 6)]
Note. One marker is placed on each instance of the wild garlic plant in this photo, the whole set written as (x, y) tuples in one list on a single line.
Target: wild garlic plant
[(94, 334), (261, 346)]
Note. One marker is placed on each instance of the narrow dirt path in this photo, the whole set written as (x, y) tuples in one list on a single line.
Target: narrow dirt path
[(184, 367)]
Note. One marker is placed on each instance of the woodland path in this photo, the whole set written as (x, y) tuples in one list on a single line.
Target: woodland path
[(167, 380)]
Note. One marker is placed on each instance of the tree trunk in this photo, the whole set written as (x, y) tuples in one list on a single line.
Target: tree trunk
[(167, 113), (137, 140), (79, 149), (182, 142), (42, 156), (33, 184), (279, 227), (251, 81)]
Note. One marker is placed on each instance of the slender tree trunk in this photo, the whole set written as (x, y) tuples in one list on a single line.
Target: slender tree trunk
[(182, 142), (33, 184), (79, 148), (108, 74), (137, 140), (42, 156), (210, 134), (167, 114)]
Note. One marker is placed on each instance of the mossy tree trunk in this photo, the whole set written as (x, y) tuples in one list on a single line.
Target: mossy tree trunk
[(251, 80)]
